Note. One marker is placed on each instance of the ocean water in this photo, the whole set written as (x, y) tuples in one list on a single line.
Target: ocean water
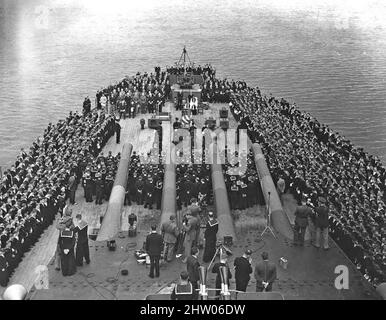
[(329, 58)]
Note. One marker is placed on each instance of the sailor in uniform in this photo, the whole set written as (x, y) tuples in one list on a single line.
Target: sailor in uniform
[(82, 249), (67, 255), (193, 104), (244, 191), (109, 184), (16, 247), (140, 190), (4, 277), (148, 192), (234, 194), (158, 193), (210, 237), (99, 187), (8, 258), (251, 191), (93, 172), (184, 289), (133, 220), (87, 185), (63, 223)]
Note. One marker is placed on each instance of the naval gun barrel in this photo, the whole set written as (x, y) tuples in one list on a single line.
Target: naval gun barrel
[(225, 222), (279, 218), (168, 204), (111, 224)]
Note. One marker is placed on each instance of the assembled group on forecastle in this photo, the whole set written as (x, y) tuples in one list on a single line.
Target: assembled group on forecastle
[(36, 187), (314, 163)]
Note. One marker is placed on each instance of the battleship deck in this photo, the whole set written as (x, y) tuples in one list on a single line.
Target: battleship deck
[(310, 273)]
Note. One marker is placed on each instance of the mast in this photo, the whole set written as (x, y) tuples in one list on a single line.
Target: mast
[(184, 57)]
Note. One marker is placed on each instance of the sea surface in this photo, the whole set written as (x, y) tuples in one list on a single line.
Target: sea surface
[(328, 57)]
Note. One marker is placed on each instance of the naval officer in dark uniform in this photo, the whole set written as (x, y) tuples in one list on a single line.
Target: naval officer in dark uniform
[(99, 188), (192, 268), (154, 245), (265, 274), (88, 186), (243, 269), (210, 238), (301, 222)]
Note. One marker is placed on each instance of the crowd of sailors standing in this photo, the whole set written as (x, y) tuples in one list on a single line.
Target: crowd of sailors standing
[(34, 190), (244, 188), (321, 169)]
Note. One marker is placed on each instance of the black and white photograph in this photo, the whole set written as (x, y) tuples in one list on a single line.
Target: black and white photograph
[(211, 151)]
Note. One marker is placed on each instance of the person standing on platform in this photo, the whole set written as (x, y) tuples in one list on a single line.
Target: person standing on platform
[(132, 109), (122, 108), (281, 186), (142, 123), (154, 246), (143, 102), (86, 105), (99, 187), (150, 104), (87, 186), (244, 195), (109, 183), (158, 194), (176, 124), (234, 194), (103, 102), (190, 227), (64, 222), (301, 222), (170, 233), (133, 220), (210, 238), (216, 269), (312, 226), (184, 289), (265, 274), (255, 193), (117, 131), (243, 269), (179, 101), (140, 184), (82, 249), (192, 267), (195, 209), (149, 193), (72, 185), (321, 224), (67, 254)]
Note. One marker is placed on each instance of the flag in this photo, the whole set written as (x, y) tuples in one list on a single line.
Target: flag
[(185, 119)]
